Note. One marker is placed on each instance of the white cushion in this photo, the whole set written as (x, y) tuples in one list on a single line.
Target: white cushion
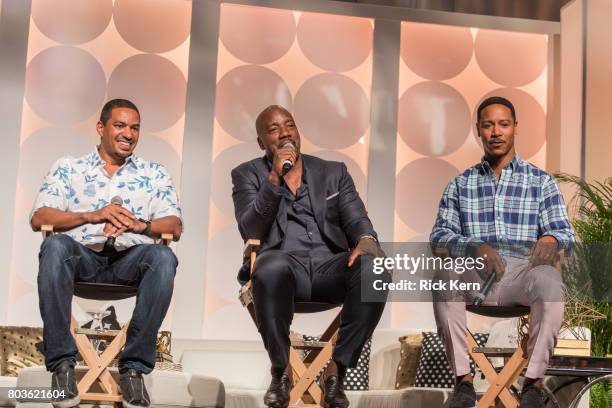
[(5, 384), (406, 398), (235, 368)]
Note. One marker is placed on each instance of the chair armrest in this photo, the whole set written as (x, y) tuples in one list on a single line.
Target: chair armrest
[(250, 247), (47, 230), (250, 253), (165, 239)]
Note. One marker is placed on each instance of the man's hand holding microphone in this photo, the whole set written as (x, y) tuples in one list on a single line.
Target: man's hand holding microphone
[(285, 158), (494, 270)]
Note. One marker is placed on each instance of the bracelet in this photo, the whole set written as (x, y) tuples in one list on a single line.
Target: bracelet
[(368, 236)]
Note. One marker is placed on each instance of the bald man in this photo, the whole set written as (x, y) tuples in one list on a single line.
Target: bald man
[(318, 244)]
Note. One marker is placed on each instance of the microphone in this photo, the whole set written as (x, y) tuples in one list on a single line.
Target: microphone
[(479, 298), (110, 242), (287, 164)]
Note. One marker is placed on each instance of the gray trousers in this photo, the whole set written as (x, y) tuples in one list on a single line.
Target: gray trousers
[(540, 287)]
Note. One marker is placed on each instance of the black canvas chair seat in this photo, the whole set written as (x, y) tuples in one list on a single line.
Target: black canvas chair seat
[(103, 291), (504, 312)]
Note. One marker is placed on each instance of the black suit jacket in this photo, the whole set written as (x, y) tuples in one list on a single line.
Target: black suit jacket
[(338, 209)]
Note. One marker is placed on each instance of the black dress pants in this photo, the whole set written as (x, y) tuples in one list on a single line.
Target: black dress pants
[(282, 278)]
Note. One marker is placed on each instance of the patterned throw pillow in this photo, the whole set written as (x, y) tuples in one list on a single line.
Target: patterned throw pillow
[(433, 370), (410, 355), (18, 349), (358, 378)]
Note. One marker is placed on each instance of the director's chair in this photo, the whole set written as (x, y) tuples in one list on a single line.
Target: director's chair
[(98, 374), (515, 360), (304, 370)]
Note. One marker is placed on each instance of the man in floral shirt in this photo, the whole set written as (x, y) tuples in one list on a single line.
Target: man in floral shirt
[(108, 208)]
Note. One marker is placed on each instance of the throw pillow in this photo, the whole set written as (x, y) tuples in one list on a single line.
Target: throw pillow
[(410, 354), (433, 370), (358, 378), (19, 349)]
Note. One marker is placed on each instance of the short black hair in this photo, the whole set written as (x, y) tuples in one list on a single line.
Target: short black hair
[(495, 100), (115, 103)]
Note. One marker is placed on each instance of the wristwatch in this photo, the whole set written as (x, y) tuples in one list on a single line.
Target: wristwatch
[(147, 229)]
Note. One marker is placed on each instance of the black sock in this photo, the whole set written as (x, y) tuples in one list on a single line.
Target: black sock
[(529, 382), (341, 370), (277, 372), (460, 378)]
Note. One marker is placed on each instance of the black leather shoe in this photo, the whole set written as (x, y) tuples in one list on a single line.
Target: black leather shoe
[(133, 391), (277, 395), (64, 381), (333, 393), (532, 397), (464, 395)]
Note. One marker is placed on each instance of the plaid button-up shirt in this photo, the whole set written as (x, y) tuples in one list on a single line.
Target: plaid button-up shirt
[(512, 212)]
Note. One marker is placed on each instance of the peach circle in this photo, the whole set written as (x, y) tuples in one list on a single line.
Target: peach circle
[(419, 186), (333, 42), (256, 35), (332, 111), (434, 51), (64, 84), (155, 85), (433, 118), (223, 246), (243, 93), (154, 26), (155, 149), (510, 58), (72, 22), (41, 149), (531, 131), (221, 179)]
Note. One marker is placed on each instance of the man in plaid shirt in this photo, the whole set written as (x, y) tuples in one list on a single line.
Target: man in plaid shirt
[(512, 214)]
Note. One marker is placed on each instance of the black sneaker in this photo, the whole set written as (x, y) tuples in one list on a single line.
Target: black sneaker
[(464, 395), (133, 391), (64, 381), (532, 397)]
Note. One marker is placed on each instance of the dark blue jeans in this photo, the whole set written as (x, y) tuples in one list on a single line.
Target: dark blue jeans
[(63, 261)]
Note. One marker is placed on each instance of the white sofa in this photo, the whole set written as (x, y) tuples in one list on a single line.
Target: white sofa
[(235, 374), (244, 369)]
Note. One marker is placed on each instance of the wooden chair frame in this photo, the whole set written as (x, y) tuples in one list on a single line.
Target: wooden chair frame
[(515, 359), (98, 372), (499, 383), (304, 370)]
